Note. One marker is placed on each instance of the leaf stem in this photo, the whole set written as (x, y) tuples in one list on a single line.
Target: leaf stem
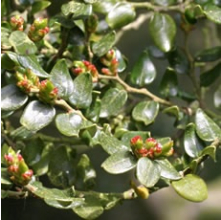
[(142, 91)]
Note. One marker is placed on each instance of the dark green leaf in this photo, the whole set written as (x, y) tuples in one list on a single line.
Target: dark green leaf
[(70, 124), (178, 61), (102, 46), (12, 98), (169, 83), (82, 91), (209, 150), (21, 133), (31, 62), (37, 115), (217, 98), (5, 114), (206, 128), (93, 111), (61, 79), (148, 172), (79, 10), (192, 144), (208, 55), (39, 6), (210, 76), (163, 31), (143, 72), (9, 60), (174, 111), (120, 15), (5, 179), (112, 102), (167, 170), (146, 111), (191, 187), (119, 162), (21, 43), (212, 12), (104, 6)]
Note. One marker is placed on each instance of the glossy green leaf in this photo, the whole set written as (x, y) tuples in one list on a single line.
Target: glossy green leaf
[(22, 44), (61, 168), (178, 61), (121, 62), (82, 91), (112, 102), (217, 98), (39, 6), (210, 151), (191, 187), (61, 78), (174, 111), (9, 60), (86, 171), (169, 83), (206, 128), (165, 2), (37, 115), (5, 179), (167, 170), (143, 72), (210, 76), (208, 55), (147, 172), (156, 52), (192, 144), (146, 112), (119, 162), (70, 124), (5, 114), (31, 62), (77, 9), (21, 133), (120, 15), (163, 31), (109, 143), (93, 111), (102, 46), (12, 98), (212, 12)]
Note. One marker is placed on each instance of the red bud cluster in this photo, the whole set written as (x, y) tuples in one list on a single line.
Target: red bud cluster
[(85, 67), (150, 148), (17, 23), (18, 170), (111, 62)]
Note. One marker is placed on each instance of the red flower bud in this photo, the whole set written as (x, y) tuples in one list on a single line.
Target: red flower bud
[(20, 158), (77, 70), (13, 169), (86, 63), (150, 142), (27, 175), (136, 139), (9, 158)]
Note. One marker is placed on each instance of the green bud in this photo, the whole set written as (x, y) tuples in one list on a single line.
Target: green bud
[(91, 23)]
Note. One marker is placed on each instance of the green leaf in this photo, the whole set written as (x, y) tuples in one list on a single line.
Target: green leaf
[(119, 162), (61, 78), (120, 15), (6, 114), (70, 124), (174, 111), (82, 91), (39, 6), (191, 187), (121, 62), (5, 179), (210, 76), (102, 46), (112, 102), (62, 169), (31, 62), (167, 170), (37, 115), (165, 2), (57, 198), (192, 144), (21, 43), (143, 72), (147, 172), (213, 13), (109, 143), (178, 61), (206, 128), (210, 151), (208, 55), (104, 6), (86, 171), (21, 133), (169, 83), (91, 1), (163, 31), (77, 9), (146, 112), (9, 60), (12, 98), (217, 98)]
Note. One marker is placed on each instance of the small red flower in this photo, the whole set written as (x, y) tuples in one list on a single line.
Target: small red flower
[(135, 139)]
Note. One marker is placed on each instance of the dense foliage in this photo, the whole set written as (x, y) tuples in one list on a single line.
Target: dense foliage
[(67, 89)]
